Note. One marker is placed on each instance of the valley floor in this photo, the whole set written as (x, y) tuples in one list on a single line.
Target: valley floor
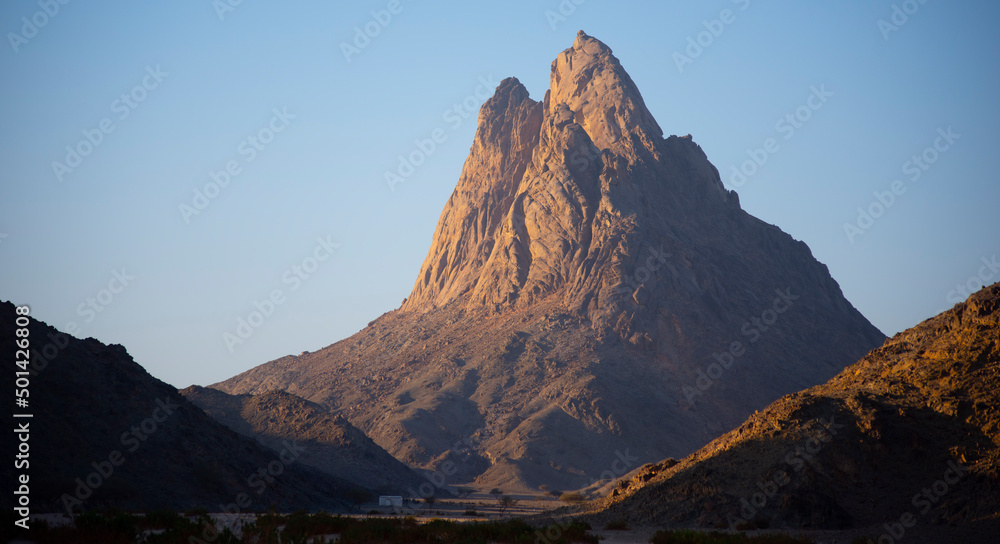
[(981, 531)]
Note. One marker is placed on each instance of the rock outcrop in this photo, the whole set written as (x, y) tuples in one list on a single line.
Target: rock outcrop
[(592, 292), (105, 434), (913, 428), (329, 442)]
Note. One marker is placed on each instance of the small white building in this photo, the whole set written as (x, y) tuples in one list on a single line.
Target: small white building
[(390, 500)]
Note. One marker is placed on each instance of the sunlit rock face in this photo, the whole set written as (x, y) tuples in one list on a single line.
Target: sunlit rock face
[(591, 289), (912, 429)]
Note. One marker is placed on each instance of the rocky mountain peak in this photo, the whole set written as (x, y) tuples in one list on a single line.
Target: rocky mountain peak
[(591, 81), (508, 133), (583, 276), (520, 224)]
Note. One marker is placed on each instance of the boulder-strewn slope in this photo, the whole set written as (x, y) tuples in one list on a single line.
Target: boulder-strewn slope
[(331, 443), (584, 277), (913, 427), (135, 443)]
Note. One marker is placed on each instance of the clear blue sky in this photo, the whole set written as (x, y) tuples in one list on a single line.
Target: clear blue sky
[(322, 175)]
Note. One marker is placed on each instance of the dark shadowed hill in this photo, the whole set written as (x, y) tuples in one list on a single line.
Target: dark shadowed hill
[(910, 433), (592, 292), (332, 444), (104, 433)]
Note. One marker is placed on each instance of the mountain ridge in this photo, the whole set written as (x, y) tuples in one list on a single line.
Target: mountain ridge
[(912, 428), (332, 444), (106, 434), (582, 277)]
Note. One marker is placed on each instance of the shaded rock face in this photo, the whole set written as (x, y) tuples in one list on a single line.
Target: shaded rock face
[(591, 289), (106, 434), (914, 426), (329, 442)]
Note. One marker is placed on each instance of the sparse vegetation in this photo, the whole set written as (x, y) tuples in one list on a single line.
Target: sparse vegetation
[(506, 502), (160, 527), (617, 525), (166, 527), (572, 497), (357, 497), (464, 492), (112, 527), (756, 523), (715, 537)]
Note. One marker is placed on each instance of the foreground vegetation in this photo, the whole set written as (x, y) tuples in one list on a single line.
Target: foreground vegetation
[(696, 537), (166, 527)]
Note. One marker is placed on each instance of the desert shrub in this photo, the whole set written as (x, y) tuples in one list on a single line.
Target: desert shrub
[(756, 523), (617, 525), (301, 524), (107, 528), (163, 519), (572, 497), (698, 537), (185, 531), (303, 528)]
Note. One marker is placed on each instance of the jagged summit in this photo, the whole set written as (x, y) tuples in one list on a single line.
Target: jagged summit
[(590, 80), (550, 190), (583, 279), (509, 123)]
